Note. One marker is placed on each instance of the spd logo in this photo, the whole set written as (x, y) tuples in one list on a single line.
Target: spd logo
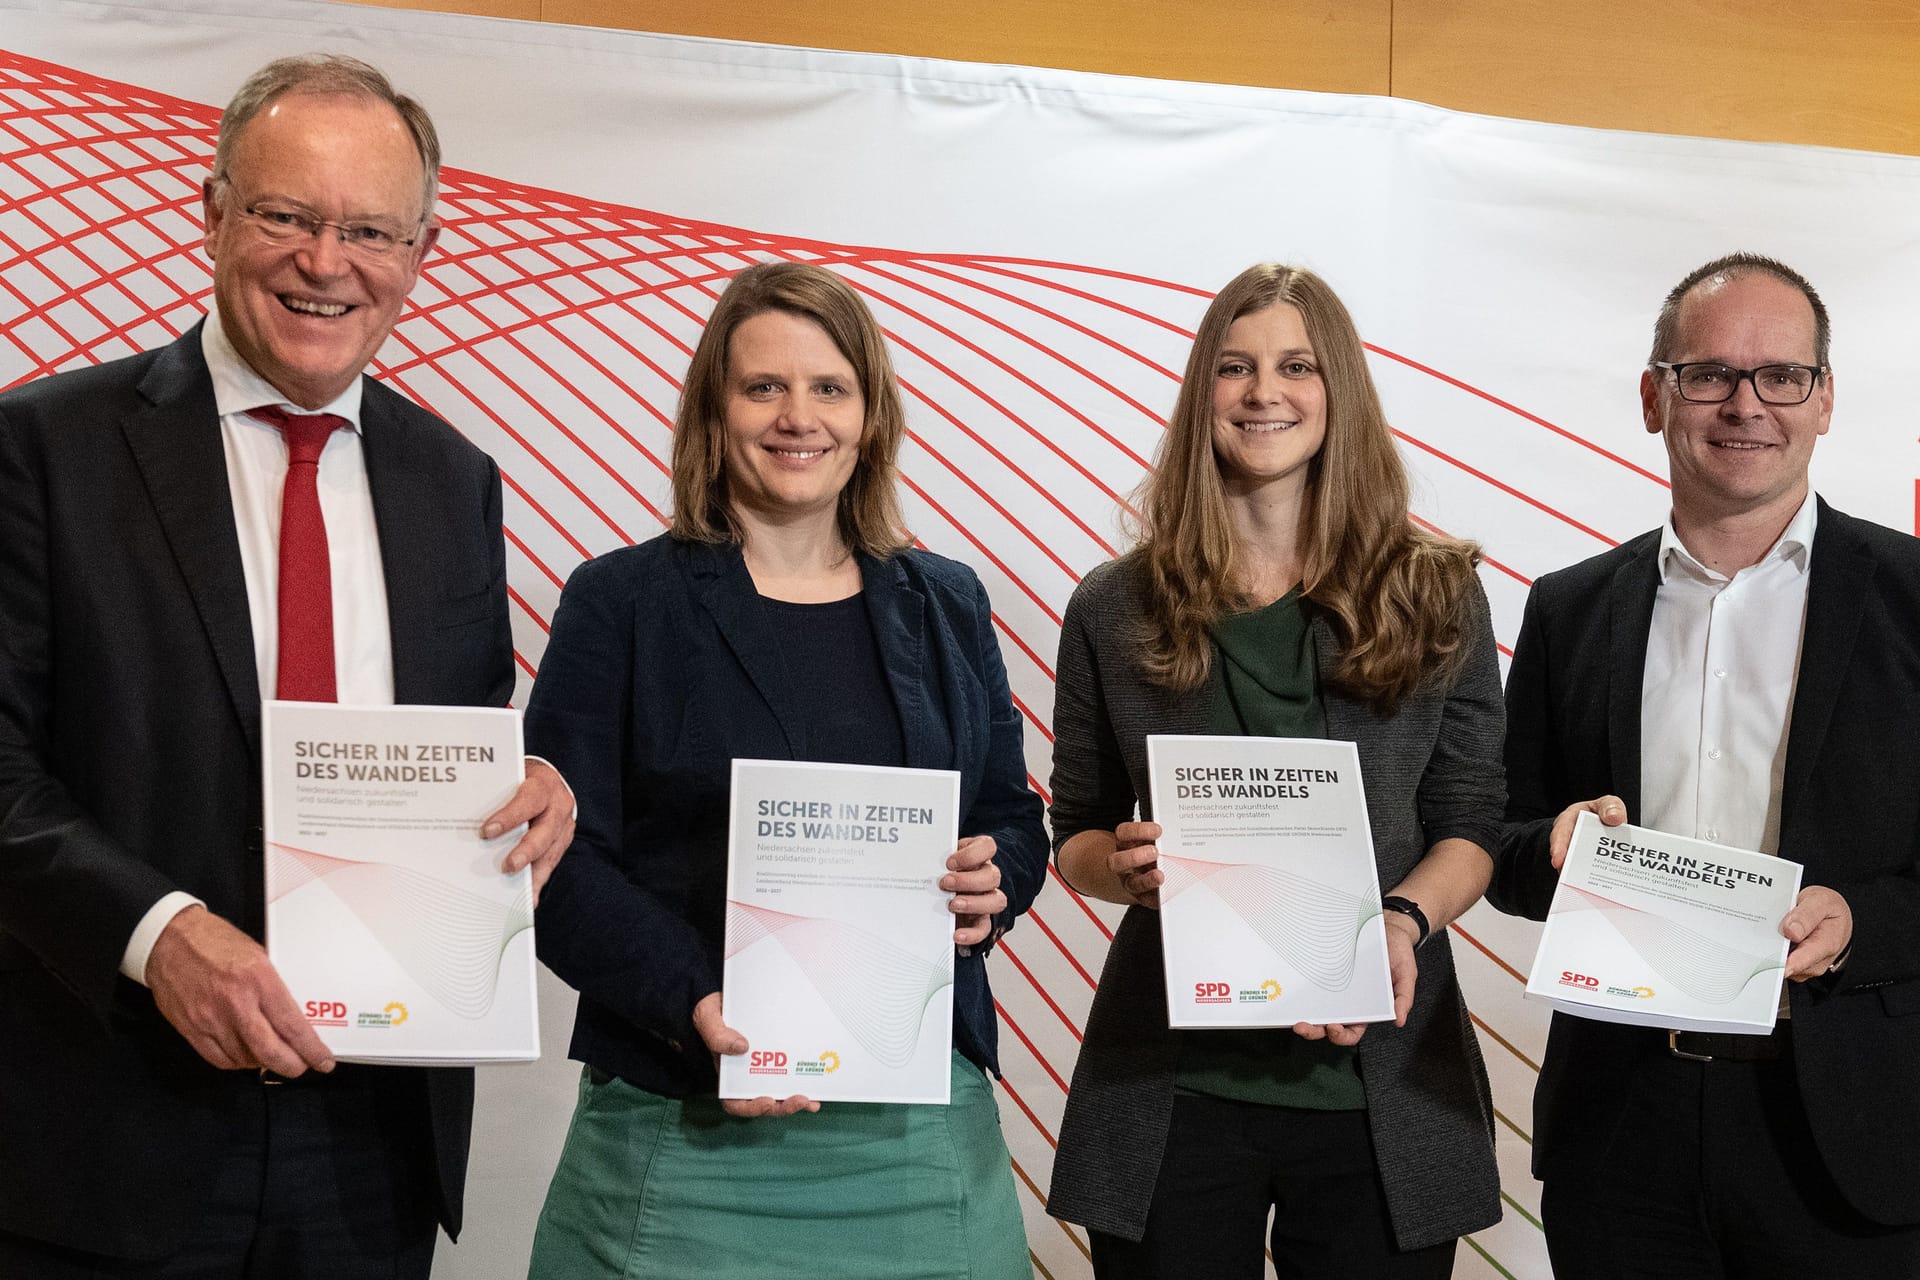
[(1568, 978), (1212, 993), (327, 1013), (767, 1062)]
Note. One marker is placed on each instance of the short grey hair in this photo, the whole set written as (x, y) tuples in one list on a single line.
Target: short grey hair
[(322, 73), (1666, 326)]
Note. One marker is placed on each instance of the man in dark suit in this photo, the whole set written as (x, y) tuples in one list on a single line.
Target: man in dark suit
[(1749, 675), (165, 1109)]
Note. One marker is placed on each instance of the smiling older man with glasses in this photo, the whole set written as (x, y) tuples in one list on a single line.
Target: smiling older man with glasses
[(239, 514)]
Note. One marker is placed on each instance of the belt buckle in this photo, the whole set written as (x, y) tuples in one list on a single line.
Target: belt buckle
[(1673, 1047)]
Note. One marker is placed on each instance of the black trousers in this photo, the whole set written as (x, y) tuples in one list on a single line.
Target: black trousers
[(326, 1179), (1713, 1175), (1228, 1164)]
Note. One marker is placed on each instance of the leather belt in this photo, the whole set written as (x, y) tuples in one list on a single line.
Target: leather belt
[(1701, 1046)]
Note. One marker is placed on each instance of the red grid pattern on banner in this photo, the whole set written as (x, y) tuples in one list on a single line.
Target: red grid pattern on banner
[(552, 329)]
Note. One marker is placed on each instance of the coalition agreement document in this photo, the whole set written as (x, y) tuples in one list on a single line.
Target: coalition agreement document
[(1657, 930), (387, 914), (1270, 913), (839, 968)]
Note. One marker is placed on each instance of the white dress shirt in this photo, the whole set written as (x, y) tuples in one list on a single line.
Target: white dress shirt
[(256, 455), (1723, 658)]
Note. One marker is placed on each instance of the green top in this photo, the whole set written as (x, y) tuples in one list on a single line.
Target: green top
[(1265, 685)]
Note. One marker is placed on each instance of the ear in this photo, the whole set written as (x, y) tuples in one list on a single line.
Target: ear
[(1651, 384), (211, 216)]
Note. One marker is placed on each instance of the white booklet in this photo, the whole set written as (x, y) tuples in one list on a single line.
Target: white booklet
[(839, 948), (387, 915), (1657, 930), (1270, 912)]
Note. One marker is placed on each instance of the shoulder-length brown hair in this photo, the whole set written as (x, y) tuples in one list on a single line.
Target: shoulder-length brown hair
[(869, 511), (1392, 592)]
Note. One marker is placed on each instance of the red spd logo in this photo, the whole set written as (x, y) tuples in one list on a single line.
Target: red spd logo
[(1568, 978), (1212, 992), (327, 1013), (767, 1062)]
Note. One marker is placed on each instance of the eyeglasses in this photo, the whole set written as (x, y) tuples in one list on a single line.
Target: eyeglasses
[(1704, 382), (371, 239)]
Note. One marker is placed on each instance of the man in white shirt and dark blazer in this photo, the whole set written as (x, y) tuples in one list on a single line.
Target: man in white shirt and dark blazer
[(1750, 675), (165, 1110)]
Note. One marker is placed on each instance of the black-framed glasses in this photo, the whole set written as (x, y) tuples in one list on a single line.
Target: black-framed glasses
[(371, 237), (1704, 382)]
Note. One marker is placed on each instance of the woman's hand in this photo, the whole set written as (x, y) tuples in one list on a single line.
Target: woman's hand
[(1402, 968), (1135, 862), (723, 1039), (974, 882)]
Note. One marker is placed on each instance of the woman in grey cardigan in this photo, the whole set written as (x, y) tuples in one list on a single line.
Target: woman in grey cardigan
[(1281, 589)]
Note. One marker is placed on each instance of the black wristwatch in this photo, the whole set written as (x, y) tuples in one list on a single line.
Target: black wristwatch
[(1410, 909)]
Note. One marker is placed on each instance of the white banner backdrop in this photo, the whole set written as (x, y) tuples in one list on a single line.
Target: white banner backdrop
[(1039, 245)]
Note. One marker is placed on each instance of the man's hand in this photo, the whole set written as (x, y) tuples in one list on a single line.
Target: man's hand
[(546, 805), (1820, 926), (721, 1038), (219, 990), (1611, 809)]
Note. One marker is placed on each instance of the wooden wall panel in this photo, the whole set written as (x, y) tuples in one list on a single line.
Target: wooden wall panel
[(1335, 46), (1844, 73)]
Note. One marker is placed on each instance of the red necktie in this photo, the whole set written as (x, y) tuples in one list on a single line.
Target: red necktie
[(306, 576)]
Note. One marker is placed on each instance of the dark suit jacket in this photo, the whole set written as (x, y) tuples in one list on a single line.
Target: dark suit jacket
[(1849, 812), (130, 762), (1431, 771), (661, 670)]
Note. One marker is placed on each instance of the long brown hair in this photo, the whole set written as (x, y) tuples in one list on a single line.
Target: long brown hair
[(1392, 592), (869, 510)]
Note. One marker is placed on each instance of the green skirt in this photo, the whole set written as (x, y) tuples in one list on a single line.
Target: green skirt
[(653, 1188)]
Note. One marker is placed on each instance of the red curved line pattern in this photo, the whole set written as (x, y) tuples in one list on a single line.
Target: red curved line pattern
[(553, 328)]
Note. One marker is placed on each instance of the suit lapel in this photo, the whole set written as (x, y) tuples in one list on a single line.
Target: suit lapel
[(898, 613), (401, 501), (176, 444), (725, 589), (1837, 592), (1629, 616)]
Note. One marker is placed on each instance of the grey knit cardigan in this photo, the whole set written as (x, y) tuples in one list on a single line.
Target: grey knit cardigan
[(1431, 771)]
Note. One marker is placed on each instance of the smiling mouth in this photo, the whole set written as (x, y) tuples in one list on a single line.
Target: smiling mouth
[(1265, 428), (307, 307), (1742, 445)]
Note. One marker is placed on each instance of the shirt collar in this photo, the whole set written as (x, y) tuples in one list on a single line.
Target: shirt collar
[(1795, 545), (237, 388)]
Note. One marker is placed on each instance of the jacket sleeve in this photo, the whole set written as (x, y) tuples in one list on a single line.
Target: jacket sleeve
[(70, 893), (1462, 792), (603, 932), (1091, 788), (1005, 807), (1523, 877)]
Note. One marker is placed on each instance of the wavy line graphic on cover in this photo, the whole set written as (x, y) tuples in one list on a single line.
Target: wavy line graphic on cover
[(446, 939), (877, 990), (1709, 971), (1313, 926)]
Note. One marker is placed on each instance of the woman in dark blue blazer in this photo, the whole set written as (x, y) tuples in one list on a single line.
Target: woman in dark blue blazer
[(782, 617)]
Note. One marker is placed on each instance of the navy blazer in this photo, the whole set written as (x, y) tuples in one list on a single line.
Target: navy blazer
[(1849, 812), (130, 763), (662, 669)]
